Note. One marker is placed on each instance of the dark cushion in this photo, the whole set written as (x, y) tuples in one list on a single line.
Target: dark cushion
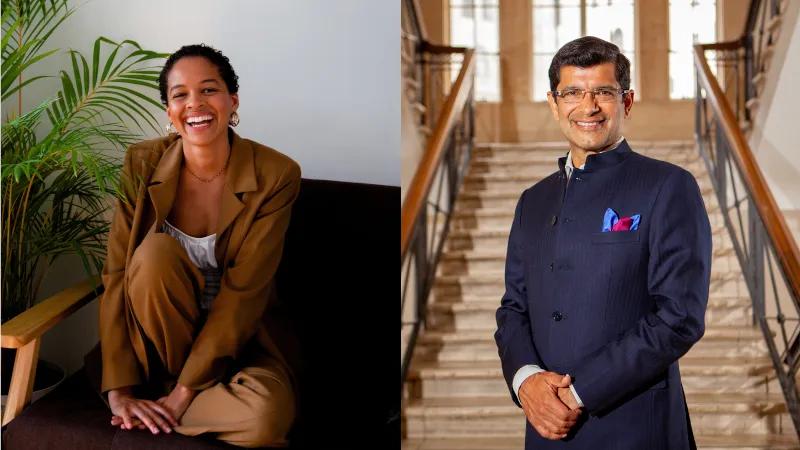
[(74, 417), (338, 279)]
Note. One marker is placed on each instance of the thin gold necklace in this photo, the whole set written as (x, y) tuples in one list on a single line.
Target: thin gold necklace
[(203, 179)]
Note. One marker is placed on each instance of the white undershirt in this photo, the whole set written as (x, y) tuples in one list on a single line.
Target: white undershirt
[(200, 250), (201, 253)]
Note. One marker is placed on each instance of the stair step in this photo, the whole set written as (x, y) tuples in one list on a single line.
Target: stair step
[(740, 334), (714, 414), (472, 199), (456, 315), (476, 304), (521, 171), (473, 262), (502, 182), (472, 345), (527, 155), (485, 284), (513, 161), (469, 218), (496, 238), (660, 149), (712, 442), (503, 193), (432, 379)]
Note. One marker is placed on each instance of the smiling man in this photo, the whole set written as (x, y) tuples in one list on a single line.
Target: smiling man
[(607, 275)]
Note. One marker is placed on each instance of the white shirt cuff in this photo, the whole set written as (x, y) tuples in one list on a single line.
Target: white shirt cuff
[(575, 394), (523, 374), (528, 371)]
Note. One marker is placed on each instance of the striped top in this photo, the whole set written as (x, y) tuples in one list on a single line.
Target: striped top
[(201, 253)]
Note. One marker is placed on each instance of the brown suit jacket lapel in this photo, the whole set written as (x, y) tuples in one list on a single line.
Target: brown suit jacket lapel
[(164, 183), (240, 178)]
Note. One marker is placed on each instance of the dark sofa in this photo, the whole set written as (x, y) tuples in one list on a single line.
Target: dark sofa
[(338, 278)]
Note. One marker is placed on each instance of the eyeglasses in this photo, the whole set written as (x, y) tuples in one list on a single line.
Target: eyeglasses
[(604, 95)]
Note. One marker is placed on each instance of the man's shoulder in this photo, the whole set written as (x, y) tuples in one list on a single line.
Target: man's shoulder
[(656, 170)]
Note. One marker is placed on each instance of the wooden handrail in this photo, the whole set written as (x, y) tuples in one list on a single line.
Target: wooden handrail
[(33, 323), (774, 222), (442, 49), (426, 171), (727, 45)]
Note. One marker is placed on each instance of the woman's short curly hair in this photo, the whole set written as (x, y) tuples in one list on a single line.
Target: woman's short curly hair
[(210, 53)]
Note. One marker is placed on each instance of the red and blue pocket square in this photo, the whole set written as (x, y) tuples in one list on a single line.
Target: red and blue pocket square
[(612, 222)]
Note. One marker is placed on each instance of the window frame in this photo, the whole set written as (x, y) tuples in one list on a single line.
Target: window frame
[(583, 7), (474, 5), (670, 51)]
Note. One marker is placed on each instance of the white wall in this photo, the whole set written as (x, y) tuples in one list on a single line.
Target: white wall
[(774, 138), (318, 78), (318, 81)]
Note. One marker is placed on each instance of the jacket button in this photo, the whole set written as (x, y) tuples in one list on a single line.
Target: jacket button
[(553, 220), (557, 316), (551, 267)]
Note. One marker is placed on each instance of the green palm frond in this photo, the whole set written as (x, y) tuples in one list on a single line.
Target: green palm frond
[(27, 24), (116, 89), (61, 161)]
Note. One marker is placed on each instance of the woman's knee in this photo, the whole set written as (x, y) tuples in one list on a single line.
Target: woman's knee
[(272, 417), (266, 430), (157, 251), (155, 260)]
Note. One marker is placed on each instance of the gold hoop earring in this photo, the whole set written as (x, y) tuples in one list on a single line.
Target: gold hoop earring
[(234, 119), (169, 129)]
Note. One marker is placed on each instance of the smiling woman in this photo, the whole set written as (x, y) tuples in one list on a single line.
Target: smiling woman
[(184, 345)]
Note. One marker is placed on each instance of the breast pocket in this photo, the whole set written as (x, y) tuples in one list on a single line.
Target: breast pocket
[(615, 237)]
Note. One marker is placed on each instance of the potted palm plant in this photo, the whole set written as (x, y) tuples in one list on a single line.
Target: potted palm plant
[(61, 160)]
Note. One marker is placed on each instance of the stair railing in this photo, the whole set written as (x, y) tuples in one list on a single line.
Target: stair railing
[(762, 241), (431, 195), (757, 42)]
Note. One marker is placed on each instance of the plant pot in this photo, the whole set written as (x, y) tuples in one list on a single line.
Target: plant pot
[(48, 376)]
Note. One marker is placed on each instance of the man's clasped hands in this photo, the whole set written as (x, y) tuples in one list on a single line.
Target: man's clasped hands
[(548, 403)]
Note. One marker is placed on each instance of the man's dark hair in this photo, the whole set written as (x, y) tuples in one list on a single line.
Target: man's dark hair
[(210, 53), (590, 51)]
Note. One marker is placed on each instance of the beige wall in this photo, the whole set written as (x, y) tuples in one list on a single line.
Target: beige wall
[(517, 119)]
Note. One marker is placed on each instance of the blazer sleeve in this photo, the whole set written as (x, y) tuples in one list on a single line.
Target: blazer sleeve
[(120, 365), (513, 336), (679, 272), (238, 309)]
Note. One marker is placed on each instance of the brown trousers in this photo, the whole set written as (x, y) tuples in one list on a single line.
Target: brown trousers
[(255, 407)]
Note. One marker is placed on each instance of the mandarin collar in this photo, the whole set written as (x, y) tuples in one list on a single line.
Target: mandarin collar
[(601, 160)]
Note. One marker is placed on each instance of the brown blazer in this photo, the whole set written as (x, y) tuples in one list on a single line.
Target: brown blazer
[(260, 187)]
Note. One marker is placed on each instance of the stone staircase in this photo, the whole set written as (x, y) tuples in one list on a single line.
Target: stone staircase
[(456, 397)]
